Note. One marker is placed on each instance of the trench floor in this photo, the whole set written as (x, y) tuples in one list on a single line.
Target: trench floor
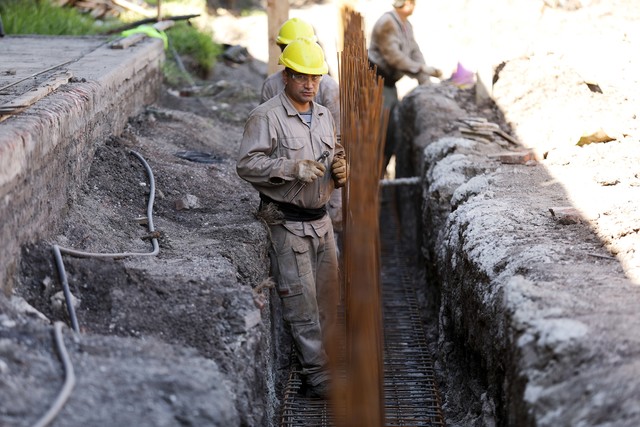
[(411, 396)]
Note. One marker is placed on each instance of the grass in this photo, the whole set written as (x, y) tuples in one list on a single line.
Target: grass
[(196, 44), (42, 17), (193, 43)]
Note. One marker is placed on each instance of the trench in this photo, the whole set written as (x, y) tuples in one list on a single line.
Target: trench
[(410, 389)]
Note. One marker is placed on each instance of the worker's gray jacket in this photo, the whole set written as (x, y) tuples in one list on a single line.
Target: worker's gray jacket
[(393, 48), (328, 94), (275, 137)]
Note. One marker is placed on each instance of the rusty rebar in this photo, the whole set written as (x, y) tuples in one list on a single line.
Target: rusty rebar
[(359, 382)]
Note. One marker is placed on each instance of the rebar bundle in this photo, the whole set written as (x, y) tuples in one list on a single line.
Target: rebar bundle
[(363, 125)]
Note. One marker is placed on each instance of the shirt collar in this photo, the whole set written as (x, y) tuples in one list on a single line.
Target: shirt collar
[(291, 110)]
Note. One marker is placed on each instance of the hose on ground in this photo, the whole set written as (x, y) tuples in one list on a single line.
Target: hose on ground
[(69, 381), (59, 250)]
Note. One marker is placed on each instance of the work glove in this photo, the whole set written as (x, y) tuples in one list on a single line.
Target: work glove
[(339, 171), (432, 71), (308, 170)]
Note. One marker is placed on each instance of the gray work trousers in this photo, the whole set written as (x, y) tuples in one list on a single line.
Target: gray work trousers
[(306, 272), (390, 101)]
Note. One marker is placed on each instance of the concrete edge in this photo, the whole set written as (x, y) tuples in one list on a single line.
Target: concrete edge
[(46, 149)]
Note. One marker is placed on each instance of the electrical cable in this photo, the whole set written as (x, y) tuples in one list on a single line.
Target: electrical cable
[(65, 287), (69, 381), (59, 250)]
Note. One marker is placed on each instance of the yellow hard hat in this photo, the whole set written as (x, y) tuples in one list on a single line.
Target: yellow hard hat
[(304, 56), (295, 28)]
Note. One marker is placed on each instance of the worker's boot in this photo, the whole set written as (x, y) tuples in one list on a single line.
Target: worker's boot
[(320, 391)]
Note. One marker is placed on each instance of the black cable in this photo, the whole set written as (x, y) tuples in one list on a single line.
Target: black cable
[(69, 381), (59, 250)]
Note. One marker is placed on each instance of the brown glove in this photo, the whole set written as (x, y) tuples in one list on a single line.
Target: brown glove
[(432, 71), (308, 170), (339, 171)]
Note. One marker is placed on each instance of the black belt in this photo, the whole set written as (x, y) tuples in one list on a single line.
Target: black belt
[(293, 212)]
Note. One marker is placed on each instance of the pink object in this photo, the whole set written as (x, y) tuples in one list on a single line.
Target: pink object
[(463, 78)]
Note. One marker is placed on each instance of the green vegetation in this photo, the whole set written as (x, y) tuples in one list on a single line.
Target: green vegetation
[(42, 17), (197, 49), (194, 45)]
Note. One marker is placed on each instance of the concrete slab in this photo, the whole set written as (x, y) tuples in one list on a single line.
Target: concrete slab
[(72, 93)]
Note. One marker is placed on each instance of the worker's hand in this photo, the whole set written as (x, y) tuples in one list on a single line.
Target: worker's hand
[(339, 171), (432, 71), (308, 170)]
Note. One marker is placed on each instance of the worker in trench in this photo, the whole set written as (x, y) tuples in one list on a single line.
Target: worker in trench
[(394, 52), (290, 154), (328, 95)]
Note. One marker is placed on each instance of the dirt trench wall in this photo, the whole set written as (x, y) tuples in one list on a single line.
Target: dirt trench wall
[(447, 165), (46, 150), (535, 318)]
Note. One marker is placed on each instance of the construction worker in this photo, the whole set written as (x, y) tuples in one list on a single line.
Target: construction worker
[(328, 95), (290, 154), (395, 53)]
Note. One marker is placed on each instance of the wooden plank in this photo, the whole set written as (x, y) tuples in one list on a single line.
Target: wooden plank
[(164, 25), (508, 137), (25, 100), (127, 41), (35, 74), (133, 7), (484, 133)]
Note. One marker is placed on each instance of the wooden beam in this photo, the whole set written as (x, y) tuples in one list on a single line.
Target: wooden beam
[(127, 41), (134, 7), (277, 14), (27, 99)]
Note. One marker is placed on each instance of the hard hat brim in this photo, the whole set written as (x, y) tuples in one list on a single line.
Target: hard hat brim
[(302, 69), (285, 41)]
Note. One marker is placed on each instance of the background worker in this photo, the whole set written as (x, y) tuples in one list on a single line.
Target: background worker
[(395, 52), (290, 154), (328, 91), (328, 95)]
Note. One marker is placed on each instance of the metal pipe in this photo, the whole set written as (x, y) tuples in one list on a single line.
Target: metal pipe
[(414, 180)]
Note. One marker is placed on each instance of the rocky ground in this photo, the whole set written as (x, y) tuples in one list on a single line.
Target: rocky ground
[(177, 330), (180, 339)]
